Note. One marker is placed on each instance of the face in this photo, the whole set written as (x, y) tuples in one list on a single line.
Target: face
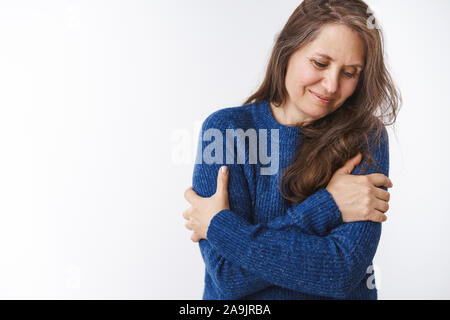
[(323, 74)]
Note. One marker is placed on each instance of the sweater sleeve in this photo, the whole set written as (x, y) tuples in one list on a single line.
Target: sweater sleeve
[(330, 266), (236, 282), (316, 215)]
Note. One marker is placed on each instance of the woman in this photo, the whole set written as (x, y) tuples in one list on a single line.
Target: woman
[(309, 231)]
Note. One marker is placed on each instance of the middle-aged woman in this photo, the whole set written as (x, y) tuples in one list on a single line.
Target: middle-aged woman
[(309, 230)]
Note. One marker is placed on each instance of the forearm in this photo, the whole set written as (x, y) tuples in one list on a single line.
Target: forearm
[(315, 215), (233, 281), (327, 266)]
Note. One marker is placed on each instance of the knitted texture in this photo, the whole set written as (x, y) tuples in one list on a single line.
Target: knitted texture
[(264, 247)]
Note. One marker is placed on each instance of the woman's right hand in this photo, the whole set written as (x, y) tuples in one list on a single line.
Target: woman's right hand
[(358, 196)]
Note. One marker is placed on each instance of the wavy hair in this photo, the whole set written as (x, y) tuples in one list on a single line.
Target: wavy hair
[(329, 142)]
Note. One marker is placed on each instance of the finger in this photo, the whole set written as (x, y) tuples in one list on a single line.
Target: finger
[(222, 180), (378, 216), (381, 205), (190, 195), (380, 180), (348, 167), (381, 194), (195, 237), (189, 225), (187, 213)]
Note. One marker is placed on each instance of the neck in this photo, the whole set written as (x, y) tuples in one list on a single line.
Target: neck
[(289, 115)]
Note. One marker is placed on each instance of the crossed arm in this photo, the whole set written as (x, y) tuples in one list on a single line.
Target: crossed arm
[(233, 280), (309, 249)]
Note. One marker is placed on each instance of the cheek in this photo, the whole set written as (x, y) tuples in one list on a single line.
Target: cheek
[(347, 89), (304, 75)]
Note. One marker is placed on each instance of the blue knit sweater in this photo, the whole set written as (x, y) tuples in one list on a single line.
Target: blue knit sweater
[(264, 247)]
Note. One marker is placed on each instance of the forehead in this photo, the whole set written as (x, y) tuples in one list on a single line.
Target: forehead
[(341, 43)]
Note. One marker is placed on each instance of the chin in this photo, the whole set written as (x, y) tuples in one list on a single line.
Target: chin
[(316, 112)]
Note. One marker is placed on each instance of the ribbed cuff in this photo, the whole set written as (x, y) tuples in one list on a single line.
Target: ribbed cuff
[(225, 230), (328, 207), (319, 211)]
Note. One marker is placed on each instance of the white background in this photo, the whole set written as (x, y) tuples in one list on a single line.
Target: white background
[(98, 97)]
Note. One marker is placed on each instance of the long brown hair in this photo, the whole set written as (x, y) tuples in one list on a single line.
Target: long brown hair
[(329, 142)]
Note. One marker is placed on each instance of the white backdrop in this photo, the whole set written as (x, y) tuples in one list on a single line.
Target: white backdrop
[(100, 103)]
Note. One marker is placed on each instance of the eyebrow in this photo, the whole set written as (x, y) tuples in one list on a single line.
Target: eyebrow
[(330, 58)]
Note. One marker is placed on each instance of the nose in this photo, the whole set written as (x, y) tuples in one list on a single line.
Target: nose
[(331, 82)]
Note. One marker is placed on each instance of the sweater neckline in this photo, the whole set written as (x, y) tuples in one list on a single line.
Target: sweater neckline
[(273, 122)]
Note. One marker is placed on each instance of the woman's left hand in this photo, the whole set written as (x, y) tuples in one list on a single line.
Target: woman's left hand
[(202, 210)]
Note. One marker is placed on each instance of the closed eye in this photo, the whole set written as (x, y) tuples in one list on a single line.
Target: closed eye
[(318, 64), (349, 75)]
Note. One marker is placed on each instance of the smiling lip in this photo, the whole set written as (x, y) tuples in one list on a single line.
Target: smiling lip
[(321, 98)]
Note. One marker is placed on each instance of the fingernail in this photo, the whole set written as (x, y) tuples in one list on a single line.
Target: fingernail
[(224, 170)]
